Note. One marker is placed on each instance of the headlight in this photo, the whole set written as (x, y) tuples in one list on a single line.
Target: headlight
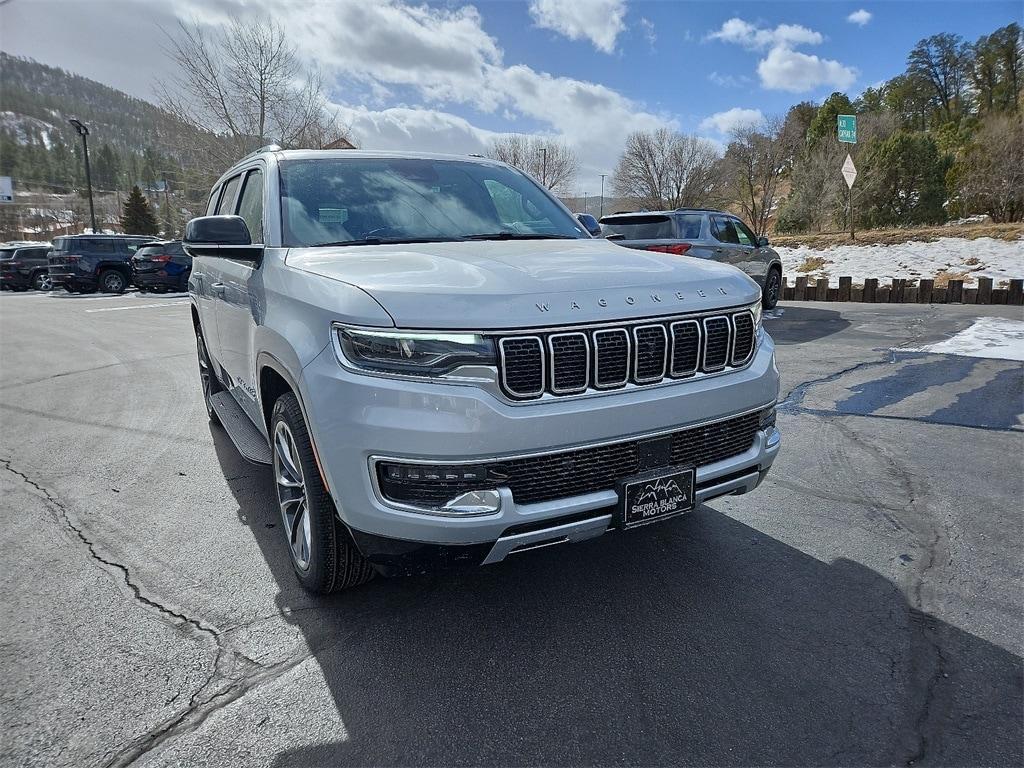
[(755, 310), (414, 353)]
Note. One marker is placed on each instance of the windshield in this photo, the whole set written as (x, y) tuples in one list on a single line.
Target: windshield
[(373, 200)]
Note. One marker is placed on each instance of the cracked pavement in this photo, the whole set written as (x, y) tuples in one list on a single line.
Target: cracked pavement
[(863, 607)]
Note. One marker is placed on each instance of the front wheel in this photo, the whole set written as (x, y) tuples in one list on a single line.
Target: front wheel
[(324, 558), (772, 288), (42, 282), (112, 281)]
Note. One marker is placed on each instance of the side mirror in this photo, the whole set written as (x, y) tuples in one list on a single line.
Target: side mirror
[(762, 242), (224, 236), (589, 223)]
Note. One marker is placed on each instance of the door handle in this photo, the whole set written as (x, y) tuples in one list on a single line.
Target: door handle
[(217, 288)]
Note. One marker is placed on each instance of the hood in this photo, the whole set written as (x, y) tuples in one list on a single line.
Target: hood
[(526, 283)]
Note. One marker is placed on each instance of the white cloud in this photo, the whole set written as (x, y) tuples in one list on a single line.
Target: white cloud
[(788, 70), (751, 36), (783, 68), (728, 81), (728, 121), (647, 27), (599, 21), (860, 18)]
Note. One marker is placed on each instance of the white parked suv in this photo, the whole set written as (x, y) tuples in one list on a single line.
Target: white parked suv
[(442, 365)]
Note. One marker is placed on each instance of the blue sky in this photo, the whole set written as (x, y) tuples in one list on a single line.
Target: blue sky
[(451, 76)]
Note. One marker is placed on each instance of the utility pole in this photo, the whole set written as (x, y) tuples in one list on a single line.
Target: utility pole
[(601, 214), (544, 166), (167, 207), (83, 131)]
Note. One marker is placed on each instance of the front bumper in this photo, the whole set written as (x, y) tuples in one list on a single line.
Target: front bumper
[(355, 417)]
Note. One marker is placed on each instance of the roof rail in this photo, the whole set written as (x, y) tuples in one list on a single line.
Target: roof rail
[(261, 150)]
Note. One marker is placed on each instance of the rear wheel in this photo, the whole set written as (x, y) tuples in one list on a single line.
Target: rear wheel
[(772, 288), (324, 558), (41, 281), (207, 378), (112, 281)]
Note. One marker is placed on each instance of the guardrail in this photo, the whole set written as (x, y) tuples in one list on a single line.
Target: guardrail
[(901, 292)]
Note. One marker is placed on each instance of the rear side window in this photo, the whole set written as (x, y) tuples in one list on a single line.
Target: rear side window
[(96, 245), (639, 227), (724, 230), (250, 206), (227, 198), (7, 253), (689, 226), (60, 244)]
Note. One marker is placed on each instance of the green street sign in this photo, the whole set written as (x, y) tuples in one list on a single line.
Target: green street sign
[(848, 128)]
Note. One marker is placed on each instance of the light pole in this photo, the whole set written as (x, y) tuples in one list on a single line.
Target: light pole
[(83, 131), (601, 214)]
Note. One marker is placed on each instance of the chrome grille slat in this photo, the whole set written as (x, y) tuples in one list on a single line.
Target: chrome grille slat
[(742, 338), (686, 342), (611, 355), (650, 353), (571, 361), (717, 334)]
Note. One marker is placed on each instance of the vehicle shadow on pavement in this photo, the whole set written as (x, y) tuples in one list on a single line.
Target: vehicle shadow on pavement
[(803, 324), (699, 641)]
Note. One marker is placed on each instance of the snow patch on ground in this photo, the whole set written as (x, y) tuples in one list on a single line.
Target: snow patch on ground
[(983, 257), (991, 337)]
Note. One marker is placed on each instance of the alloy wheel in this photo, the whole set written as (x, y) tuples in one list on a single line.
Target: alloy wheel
[(113, 282), (43, 283), (205, 372), (291, 495), (772, 289)]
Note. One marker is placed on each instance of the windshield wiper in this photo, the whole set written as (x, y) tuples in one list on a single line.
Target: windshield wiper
[(388, 241), (517, 236)]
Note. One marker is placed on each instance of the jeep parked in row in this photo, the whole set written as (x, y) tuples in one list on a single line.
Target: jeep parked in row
[(85, 263), (23, 265), (440, 364)]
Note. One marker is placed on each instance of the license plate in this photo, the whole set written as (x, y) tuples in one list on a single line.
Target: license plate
[(656, 495)]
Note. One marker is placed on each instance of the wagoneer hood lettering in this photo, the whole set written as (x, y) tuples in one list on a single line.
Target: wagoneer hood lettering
[(497, 285)]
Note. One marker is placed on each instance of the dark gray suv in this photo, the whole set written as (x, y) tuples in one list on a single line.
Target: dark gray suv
[(703, 234)]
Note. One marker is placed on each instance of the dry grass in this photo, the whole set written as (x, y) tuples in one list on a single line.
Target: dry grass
[(1010, 232), (812, 264), (942, 278)]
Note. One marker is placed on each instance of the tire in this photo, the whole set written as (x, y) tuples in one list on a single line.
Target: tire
[(69, 288), (112, 281), (41, 281), (207, 376), (772, 288), (183, 283), (323, 557)]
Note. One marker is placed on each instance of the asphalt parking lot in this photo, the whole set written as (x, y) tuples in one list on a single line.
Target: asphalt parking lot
[(864, 607)]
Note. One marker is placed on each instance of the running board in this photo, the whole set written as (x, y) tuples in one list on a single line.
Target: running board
[(249, 441)]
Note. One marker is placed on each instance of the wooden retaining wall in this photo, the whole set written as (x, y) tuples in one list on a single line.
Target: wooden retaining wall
[(899, 292)]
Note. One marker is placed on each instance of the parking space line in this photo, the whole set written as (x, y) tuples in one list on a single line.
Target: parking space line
[(139, 306)]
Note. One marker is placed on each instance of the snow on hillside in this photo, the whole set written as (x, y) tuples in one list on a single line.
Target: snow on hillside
[(956, 256)]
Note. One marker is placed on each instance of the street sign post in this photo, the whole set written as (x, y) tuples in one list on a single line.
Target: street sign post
[(847, 128), (850, 174)]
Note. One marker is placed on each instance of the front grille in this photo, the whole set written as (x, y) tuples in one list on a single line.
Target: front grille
[(571, 361), (572, 473)]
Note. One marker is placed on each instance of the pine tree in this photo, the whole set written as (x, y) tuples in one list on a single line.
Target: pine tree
[(137, 217)]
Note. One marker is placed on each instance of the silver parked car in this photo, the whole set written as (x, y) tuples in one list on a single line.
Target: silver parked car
[(441, 365), (703, 234)]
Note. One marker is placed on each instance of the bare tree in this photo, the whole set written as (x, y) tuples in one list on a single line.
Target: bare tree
[(551, 162), (943, 61), (243, 86), (756, 160), (664, 169), (989, 177)]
